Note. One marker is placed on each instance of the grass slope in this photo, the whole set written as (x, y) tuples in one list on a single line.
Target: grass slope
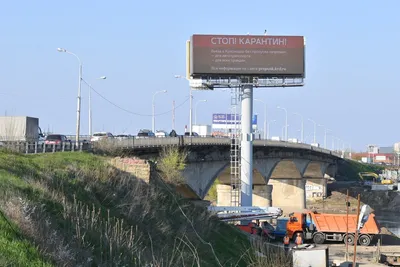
[(15, 250), (78, 210), (350, 169)]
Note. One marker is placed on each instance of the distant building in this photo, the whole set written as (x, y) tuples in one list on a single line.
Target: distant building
[(386, 150), (387, 158), (376, 154)]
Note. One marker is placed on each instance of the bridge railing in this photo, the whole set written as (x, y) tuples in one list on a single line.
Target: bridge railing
[(32, 147), (190, 141)]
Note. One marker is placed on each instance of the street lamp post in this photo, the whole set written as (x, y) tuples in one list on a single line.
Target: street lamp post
[(325, 134), (268, 124), (190, 104), (284, 129), (315, 130), (286, 122), (90, 102), (195, 110), (333, 142), (265, 116), (302, 126), (154, 109), (78, 109)]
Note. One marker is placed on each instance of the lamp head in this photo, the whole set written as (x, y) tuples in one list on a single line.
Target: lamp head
[(61, 49), (102, 77)]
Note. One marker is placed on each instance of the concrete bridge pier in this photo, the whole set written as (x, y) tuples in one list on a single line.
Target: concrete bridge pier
[(316, 188), (289, 194), (262, 195)]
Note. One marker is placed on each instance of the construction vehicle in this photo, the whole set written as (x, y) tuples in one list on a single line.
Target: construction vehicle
[(277, 231), (321, 227), (368, 178), (231, 214)]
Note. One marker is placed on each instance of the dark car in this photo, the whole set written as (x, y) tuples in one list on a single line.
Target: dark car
[(56, 139), (193, 134), (145, 133)]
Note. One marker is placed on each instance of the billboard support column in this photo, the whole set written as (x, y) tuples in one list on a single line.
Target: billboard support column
[(246, 168), (190, 112)]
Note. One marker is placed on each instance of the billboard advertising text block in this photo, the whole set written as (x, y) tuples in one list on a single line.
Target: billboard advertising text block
[(253, 55), (221, 118)]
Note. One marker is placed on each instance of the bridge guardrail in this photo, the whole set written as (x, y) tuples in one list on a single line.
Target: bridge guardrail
[(32, 147)]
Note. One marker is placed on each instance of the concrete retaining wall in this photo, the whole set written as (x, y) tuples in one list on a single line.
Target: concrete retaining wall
[(137, 167)]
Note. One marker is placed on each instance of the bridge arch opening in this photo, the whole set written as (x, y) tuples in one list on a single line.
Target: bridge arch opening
[(285, 169), (220, 189), (313, 170)]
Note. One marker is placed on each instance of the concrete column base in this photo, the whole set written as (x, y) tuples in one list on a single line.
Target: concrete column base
[(289, 194), (262, 195), (316, 189)]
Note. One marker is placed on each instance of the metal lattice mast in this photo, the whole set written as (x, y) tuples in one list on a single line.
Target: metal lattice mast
[(235, 148)]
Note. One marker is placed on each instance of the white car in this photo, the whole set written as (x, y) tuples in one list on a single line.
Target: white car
[(161, 134), (101, 136)]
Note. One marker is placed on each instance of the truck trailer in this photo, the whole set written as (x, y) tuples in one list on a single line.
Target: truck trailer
[(202, 130), (321, 227), (20, 129)]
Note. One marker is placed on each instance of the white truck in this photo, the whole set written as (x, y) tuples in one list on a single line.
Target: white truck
[(202, 130), (20, 128)]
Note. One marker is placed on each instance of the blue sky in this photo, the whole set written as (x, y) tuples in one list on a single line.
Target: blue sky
[(351, 62)]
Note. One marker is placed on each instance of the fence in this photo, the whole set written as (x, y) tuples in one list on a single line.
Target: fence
[(36, 147), (131, 143)]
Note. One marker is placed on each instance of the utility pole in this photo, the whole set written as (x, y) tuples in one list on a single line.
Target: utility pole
[(173, 115)]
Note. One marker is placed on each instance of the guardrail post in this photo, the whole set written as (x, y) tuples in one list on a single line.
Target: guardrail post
[(26, 148), (54, 148), (36, 147), (44, 148), (80, 146), (72, 147), (63, 147)]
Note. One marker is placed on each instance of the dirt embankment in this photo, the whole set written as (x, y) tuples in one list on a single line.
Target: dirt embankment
[(377, 200)]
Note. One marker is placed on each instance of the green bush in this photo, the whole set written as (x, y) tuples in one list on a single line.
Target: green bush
[(172, 163)]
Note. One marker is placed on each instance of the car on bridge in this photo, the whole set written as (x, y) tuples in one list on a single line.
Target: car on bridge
[(123, 136), (145, 133), (161, 133), (101, 136), (56, 139), (193, 134)]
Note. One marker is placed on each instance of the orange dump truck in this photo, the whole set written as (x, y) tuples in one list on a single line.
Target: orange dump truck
[(321, 227)]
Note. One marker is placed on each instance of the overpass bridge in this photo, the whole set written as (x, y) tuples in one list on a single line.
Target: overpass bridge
[(282, 170)]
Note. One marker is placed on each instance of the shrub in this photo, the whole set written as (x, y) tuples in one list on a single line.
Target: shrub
[(171, 164)]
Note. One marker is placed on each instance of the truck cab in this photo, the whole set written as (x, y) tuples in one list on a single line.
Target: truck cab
[(299, 223)]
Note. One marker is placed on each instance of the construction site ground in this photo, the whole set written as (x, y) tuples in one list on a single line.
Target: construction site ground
[(379, 201)]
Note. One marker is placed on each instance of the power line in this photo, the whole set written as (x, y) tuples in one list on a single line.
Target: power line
[(134, 113)]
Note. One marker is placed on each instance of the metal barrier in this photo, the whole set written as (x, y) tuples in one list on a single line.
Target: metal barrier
[(155, 142)]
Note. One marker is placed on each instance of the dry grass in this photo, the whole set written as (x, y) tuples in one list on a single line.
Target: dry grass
[(267, 255), (107, 147), (80, 211)]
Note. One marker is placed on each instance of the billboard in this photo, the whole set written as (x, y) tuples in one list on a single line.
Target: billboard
[(252, 55), (228, 121)]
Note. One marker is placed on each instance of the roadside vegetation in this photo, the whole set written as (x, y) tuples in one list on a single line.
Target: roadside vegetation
[(74, 209), (349, 169)]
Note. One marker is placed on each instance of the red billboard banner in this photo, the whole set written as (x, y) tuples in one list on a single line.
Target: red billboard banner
[(255, 55)]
